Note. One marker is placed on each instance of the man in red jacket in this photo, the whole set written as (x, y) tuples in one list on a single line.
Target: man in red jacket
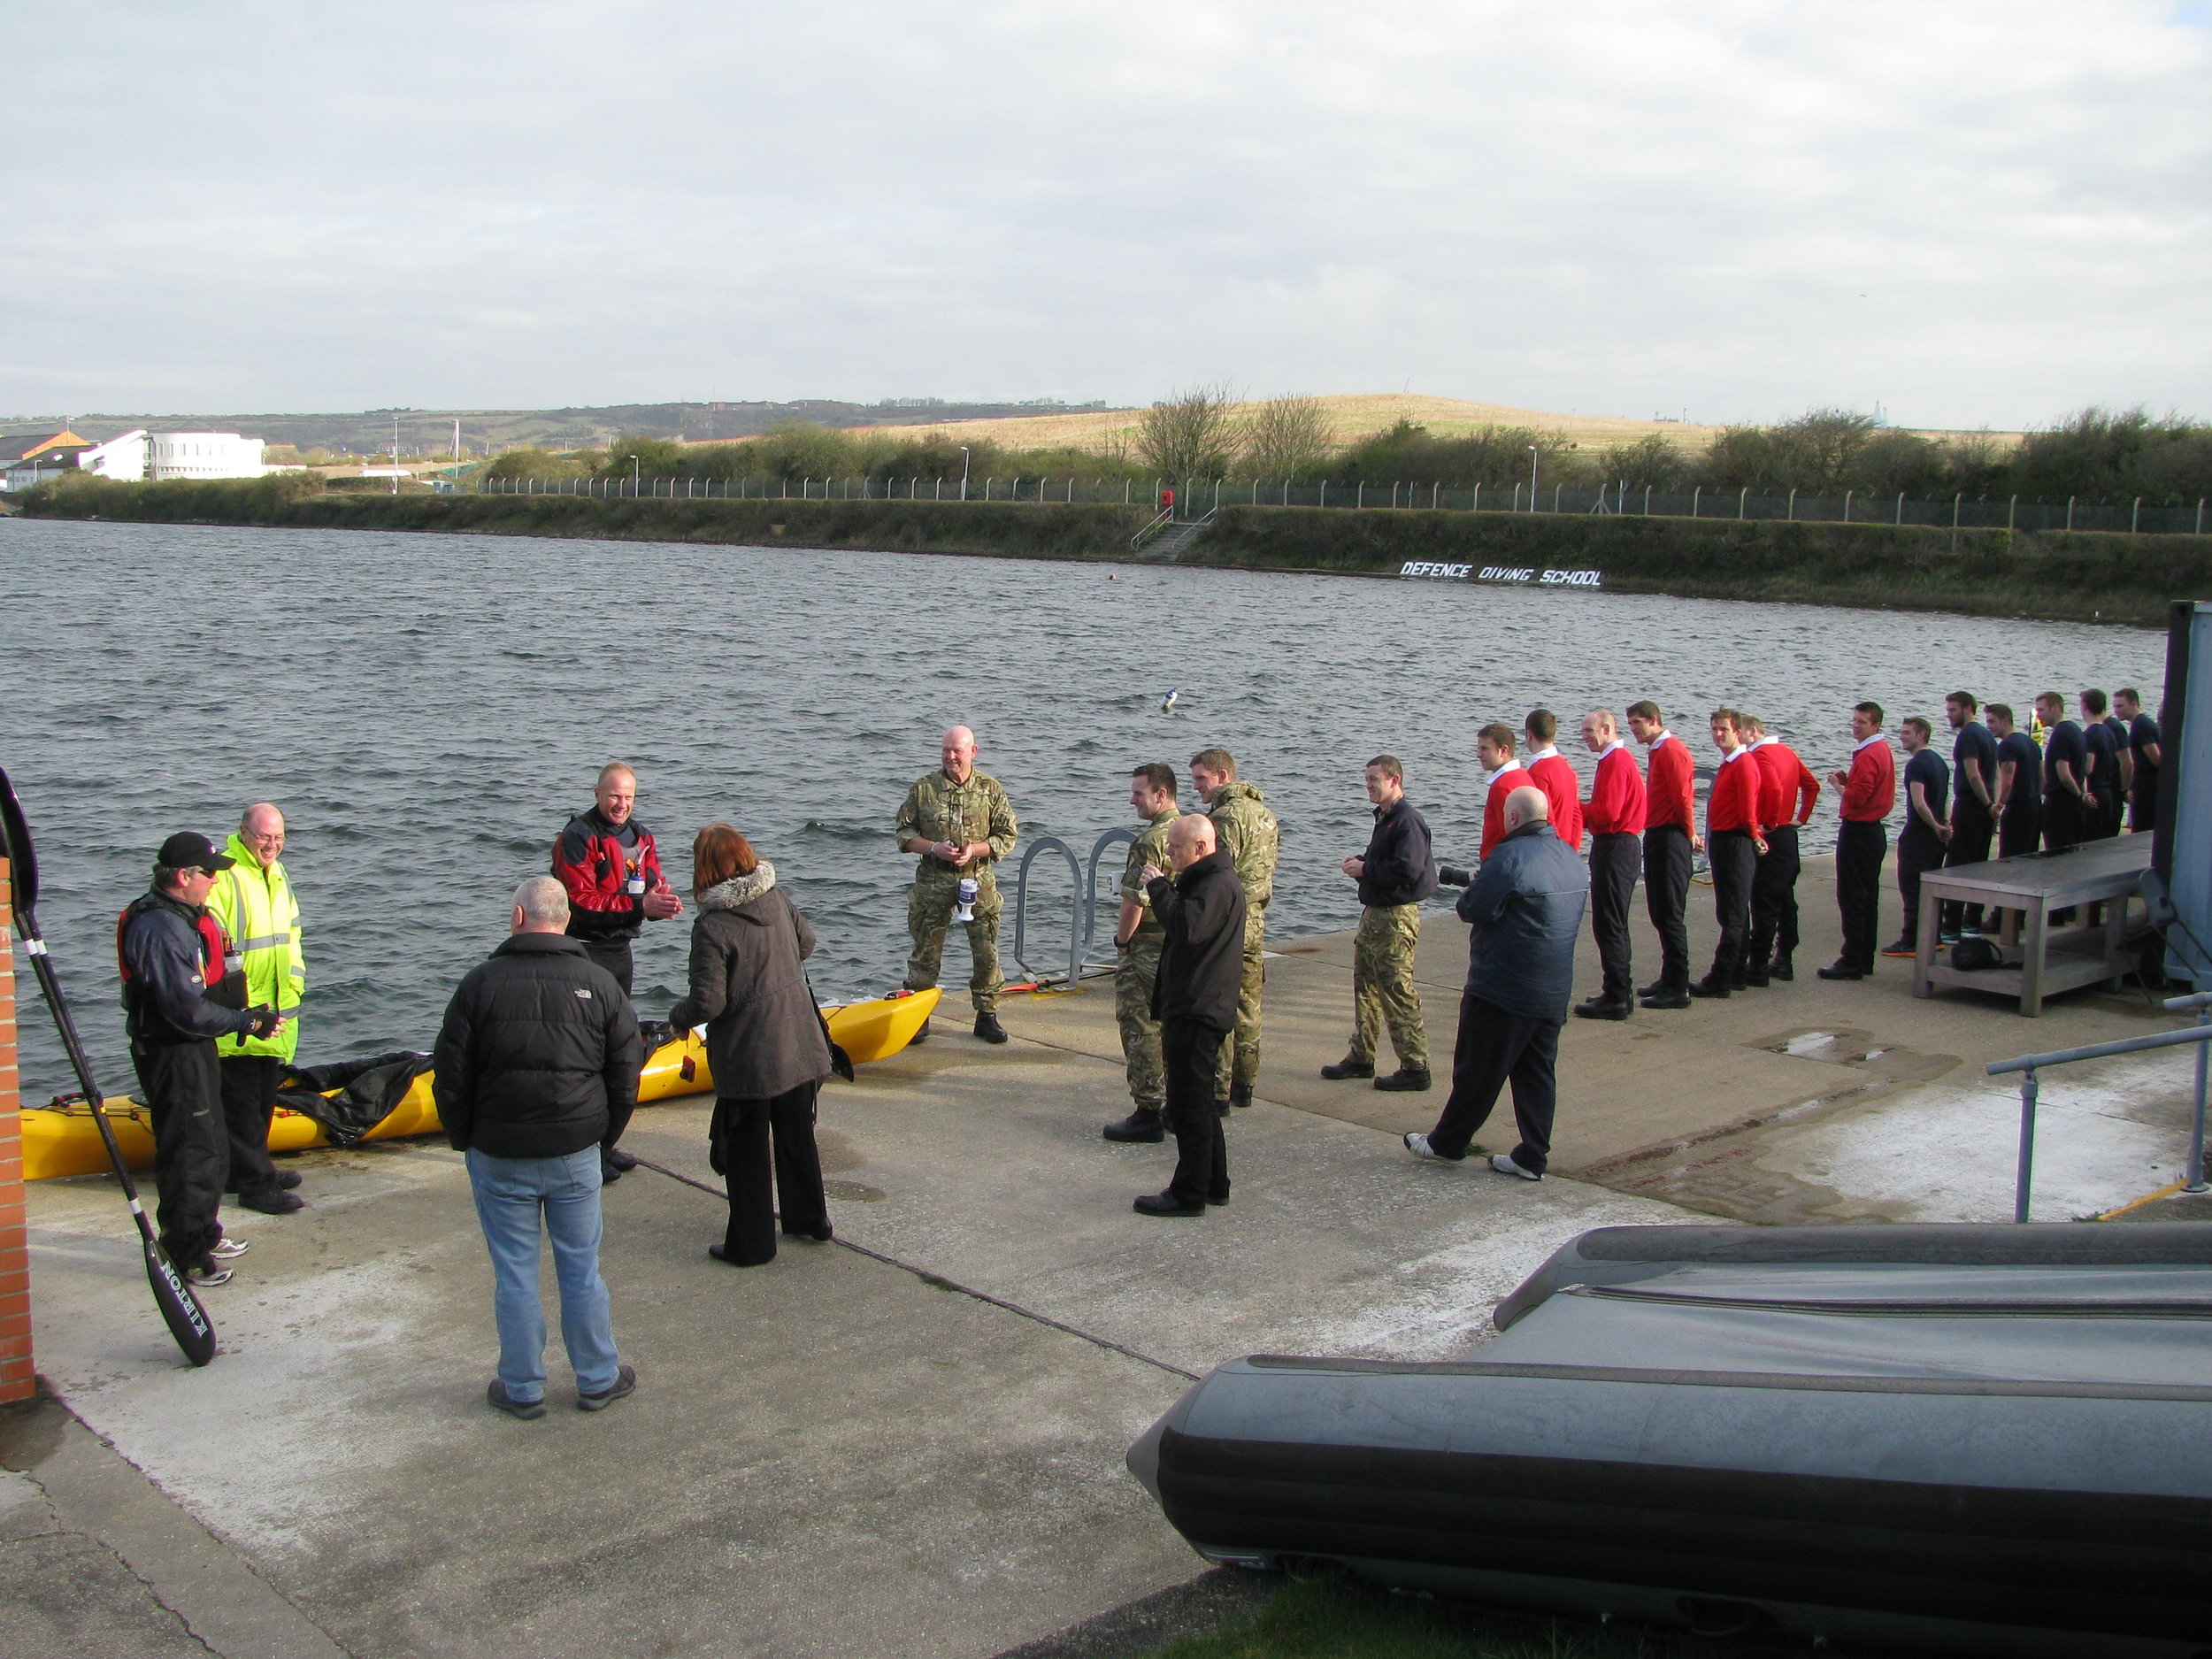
[(1670, 827), (1869, 790), (1493, 748), (1614, 816), (611, 868), (1787, 790), (1732, 845), (1554, 776)]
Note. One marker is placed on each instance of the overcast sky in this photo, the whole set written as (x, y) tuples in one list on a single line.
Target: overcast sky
[(1975, 212)]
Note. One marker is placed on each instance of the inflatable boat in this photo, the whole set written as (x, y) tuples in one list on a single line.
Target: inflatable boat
[(1971, 1439), (389, 1096)]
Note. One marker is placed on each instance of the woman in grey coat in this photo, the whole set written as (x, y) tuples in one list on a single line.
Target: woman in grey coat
[(764, 1043)]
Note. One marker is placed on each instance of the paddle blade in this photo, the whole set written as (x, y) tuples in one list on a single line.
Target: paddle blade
[(187, 1321), (22, 858)]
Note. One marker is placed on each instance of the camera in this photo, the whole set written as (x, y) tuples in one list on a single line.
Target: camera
[(1452, 876)]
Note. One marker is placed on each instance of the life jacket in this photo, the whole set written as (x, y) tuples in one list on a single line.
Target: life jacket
[(222, 969)]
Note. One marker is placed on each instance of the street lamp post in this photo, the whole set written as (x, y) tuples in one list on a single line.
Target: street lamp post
[(1532, 477), (395, 455), (963, 471)]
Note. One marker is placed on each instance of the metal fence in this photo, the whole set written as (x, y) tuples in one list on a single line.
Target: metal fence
[(2137, 518)]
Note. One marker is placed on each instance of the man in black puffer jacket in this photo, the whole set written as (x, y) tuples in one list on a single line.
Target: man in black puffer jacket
[(1194, 999), (537, 1068)]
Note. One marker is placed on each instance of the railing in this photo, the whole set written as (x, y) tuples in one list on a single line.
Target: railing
[(2006, 513), (1152, 526), (2031, 1089), (1082, 903)]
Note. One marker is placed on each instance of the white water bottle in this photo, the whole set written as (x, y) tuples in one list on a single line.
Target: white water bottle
[(965, 912)]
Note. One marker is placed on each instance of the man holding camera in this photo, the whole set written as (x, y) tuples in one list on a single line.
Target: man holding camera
[(172, 953), (960, 824)]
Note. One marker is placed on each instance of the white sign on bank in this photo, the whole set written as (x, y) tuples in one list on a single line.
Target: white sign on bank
[(1436, 571)]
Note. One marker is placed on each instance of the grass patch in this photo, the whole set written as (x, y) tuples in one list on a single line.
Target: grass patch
[(1343, 1619)]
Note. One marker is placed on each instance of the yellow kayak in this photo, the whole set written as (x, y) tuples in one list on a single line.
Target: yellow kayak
[(64, 1141)]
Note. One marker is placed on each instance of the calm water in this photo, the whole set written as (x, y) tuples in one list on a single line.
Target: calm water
[(430, 710)]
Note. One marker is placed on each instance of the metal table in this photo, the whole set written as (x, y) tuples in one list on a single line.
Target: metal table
[(2053, 959)]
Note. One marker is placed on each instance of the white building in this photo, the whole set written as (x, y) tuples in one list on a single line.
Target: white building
[(136, 457)]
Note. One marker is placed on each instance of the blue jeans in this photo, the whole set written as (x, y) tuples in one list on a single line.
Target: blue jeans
[(511, 1195)]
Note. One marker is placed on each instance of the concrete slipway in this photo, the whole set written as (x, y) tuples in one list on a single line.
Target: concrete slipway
[(846, 1455)]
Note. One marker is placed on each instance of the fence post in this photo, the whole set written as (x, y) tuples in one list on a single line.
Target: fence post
[(1956, 500), (2199, 515), (2070, 512), (1900, 507), (2012, 512), (1477, 504), (1697, 496), (1516, 495), (2135, 519), (1793, 512), (1647, 501), (1359, 494), (1324, 492), (1743, 498), (1555, 490), (1847, 506)]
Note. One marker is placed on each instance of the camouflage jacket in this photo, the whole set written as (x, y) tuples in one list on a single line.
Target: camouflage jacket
[(940, 809), (1149, 847), (1248, 833)]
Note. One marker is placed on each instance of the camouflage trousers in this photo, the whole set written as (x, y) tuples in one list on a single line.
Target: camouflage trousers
[(929, 908), (1240, 1057), (1140, 965), (1382, 984)]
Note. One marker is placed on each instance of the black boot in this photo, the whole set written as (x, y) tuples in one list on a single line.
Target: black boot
[(1665, 995), (1140, 1125), (987, 1026), (1780, 968), (1711, 985), (1405, 1079), (1348, 1067), (1240, 1095), (1606, 1005)]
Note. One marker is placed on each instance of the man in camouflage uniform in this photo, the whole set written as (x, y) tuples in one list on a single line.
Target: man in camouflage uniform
[(959, 821), (1395, 874), (1138, 936), (1248, 833)]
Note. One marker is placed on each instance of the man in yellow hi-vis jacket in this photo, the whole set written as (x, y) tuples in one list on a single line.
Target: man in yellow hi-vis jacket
[(253, 901)]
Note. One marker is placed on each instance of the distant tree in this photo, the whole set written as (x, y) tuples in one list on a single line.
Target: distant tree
[(644, 457), (1289, 438), (2102, 456), (534, 463), (1647, 462), (1192, 435)]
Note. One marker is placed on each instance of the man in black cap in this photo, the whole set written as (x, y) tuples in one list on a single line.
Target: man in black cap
[(172, 954)]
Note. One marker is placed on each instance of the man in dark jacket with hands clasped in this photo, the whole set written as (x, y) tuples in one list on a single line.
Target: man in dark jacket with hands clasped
[(537, 1068), (1195, 998), (1526, 907), (1395, 874)]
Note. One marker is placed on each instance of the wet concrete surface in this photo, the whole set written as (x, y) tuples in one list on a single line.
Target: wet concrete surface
[(917, 1451)]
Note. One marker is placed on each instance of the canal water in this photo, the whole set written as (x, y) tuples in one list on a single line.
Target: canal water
[(429, 711)]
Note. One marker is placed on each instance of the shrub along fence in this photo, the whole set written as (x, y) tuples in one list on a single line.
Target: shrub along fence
[(2139, 517)]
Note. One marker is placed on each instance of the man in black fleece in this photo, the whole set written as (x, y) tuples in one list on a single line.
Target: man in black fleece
[(1395, 874), (1194, 999), (537, 1068)]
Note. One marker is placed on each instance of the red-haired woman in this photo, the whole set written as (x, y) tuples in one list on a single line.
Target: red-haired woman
[(764, 1043)]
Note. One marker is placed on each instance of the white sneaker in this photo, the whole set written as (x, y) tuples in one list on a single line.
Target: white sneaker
[(1504, 1164), (226, 1249), (1418, 1145)]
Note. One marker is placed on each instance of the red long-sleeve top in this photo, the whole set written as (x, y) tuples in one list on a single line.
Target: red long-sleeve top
[(1556, 779), (1733, 803), (1615, 806), (1870, 791), (1670, 790), (1493, 804), (1787, 786)]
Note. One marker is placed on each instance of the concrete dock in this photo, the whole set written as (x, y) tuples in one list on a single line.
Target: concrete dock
[(915, 1446)]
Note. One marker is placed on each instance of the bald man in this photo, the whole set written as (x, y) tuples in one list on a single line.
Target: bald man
[(1527, 908), (958, 824), (610, 866), (1194, 996), (260, 918)]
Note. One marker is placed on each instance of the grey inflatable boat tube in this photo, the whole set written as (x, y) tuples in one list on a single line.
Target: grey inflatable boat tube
[(1978, 1439)]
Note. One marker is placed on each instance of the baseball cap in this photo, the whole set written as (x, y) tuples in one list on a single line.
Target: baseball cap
[(185, 850)]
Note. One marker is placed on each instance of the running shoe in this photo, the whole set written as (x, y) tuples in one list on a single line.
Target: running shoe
[(227, 1249)]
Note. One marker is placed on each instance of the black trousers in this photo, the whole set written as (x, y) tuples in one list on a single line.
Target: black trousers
[(1613, 861), (743, 1128), (2142, 805), (1190, 1055), (1860, 849), (1496, 1046), (1734, 861), (249, 1088), (1972, 828), (1916, 855), (2103, 820), (1774, 901), (191, 1151), (613, 955), (2062, 814), (2020, 830), (1666, 890)]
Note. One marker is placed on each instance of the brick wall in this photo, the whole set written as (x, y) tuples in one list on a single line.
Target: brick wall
[(15, 1263)]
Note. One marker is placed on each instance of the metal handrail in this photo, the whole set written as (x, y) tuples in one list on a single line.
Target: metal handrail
[(1138, 539), (2032, 1089), (1082, 903)]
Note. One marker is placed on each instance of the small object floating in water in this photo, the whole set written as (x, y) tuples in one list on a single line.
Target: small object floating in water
[(1167, 704)]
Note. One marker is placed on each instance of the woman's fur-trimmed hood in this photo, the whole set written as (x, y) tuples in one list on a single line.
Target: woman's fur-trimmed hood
[(739, 891)]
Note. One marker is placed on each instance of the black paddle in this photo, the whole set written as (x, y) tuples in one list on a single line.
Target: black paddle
[(187, 1321)]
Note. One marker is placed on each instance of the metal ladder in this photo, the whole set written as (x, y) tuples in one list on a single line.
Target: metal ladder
[(1082, 905)]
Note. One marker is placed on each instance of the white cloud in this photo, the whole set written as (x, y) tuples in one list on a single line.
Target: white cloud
[(1977, 212)]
